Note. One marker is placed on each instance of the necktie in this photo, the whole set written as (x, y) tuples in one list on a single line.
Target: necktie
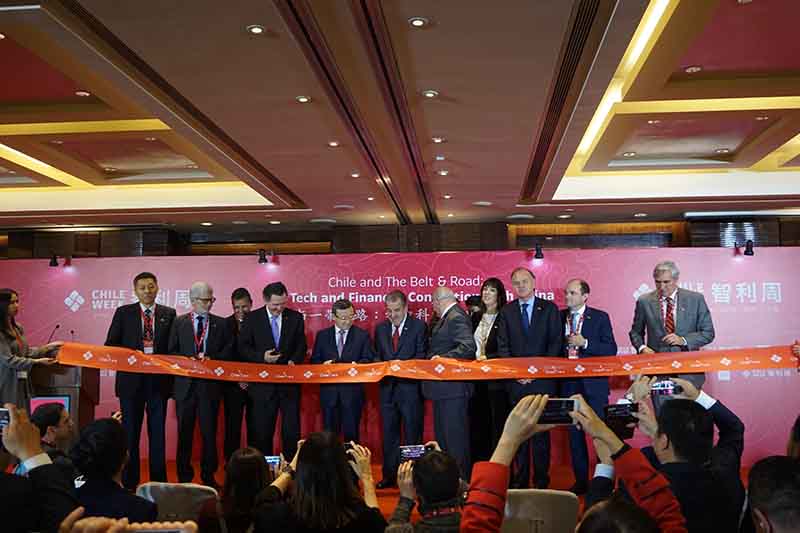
[(574, 327), (276, 331), (526, 322), (340, 342), (147, 331), (395, 338), (199, 335), (669, 320)]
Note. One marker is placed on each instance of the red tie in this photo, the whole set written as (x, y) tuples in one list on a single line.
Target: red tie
[(395, 339), (669, 320)]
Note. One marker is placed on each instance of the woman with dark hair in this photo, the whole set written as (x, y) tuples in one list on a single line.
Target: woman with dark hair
[(490, 401), (16, 356), (100, 455), (320, 494), (246, 476), (618, 515)]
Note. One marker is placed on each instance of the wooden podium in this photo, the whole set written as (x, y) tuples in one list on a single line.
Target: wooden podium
[(81, 385)]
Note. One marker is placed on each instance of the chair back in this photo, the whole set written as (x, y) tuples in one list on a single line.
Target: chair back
[(177, 502), (540, 511)]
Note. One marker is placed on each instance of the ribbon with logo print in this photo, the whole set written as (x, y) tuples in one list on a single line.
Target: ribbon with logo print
[(442, 369)]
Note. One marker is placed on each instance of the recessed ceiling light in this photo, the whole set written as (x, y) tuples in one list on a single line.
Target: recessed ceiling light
[(370, 198), (564, 216), (333, 144), (322, 221), (447, 196), (239, 222), (548, 238), (57, 141), (274, 222), (2, 36), (569, 209), (191, 165), (722, 151), (482, 203), (355, 175), (430, 93), (629, 154), (437, 140), (83, 93), (439, 157), (343, 206), (255, 29), (693, 69), (653, 121), (449, 214), (110, 169), (520, 216), (150, 139), (762, 117), (443, 172), (418, 22), (381, 216), (303, 99), (640, 215), (206, 223), (12, 171)]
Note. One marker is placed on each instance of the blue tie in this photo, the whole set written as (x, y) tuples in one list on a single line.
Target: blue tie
[(526, 323), (276, 331)]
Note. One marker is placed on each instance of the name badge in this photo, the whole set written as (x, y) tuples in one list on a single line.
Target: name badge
[(148, 347)]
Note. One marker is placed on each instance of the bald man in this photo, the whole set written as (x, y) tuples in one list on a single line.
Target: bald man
[(451, 337), (199, 335)]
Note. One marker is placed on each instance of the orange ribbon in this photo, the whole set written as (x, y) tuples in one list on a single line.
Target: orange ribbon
[(442, 369)]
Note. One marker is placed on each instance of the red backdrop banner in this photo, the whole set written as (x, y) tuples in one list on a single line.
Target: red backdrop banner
[(753, 300)]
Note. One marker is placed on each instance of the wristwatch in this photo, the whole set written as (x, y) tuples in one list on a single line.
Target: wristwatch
[(287, 469)]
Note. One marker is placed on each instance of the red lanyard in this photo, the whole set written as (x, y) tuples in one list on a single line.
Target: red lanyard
[(198, 341), (580, 324)]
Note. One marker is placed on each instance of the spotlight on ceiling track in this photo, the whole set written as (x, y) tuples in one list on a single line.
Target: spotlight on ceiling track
[(54, 261), (538, 253)]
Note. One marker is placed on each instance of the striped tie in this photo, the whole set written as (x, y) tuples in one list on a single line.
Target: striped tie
[(669, 320)]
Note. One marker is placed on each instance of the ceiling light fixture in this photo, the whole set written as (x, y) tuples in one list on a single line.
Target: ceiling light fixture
[(274, 222), (538, 254), (439, 157), (323, 221), (418, 22), (333, 144), (355, 175), (629, 154), (693, 69), (640, 215), (437, 140), (450, 214), (239, 222), (653, 121), (191, 165), (370, 198), (564, 216), (447, 196), (54, 260), (206, 223), (262, 257), (255, 29), (381, 216), (303, 99), (57, 141), (343, 206), (748, 248), (520, 216), (83, 93), (430, 93), (762, 117), (2, 36), (443, 172), (722, 151), (110, 169), (482, 203)]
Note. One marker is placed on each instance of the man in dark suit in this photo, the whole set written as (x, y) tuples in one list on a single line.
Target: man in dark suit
[(587, 333), (144, 326), (530, 326), (672, 320), (342, 343), (234, 395), (402, 337), (451, 337), (275, 335), (199, 335)]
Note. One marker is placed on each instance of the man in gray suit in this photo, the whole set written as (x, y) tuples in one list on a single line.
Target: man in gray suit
[(451, 337), (673, 320)]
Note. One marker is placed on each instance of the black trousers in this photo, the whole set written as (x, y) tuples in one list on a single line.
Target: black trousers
[(539, 444), (343, 418), (198, 404), (579, 452), (410, 413), (146, 399), (451, 427), (286, 399), (237, 405)]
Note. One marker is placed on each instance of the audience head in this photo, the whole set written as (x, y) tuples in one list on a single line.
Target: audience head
[(241, 303), (343, 314), (9, 307), (793, 447), (617, 515), (524, 283), (201, 295), (774, 494), (493, 295), (275, 297), (145, 286), (396, 307), (665, 276), (55, 425), (442, 298), (102, 450), (436, 480), (473, 304), (324, 494), (246, 474), (685, 433), (576, 293)]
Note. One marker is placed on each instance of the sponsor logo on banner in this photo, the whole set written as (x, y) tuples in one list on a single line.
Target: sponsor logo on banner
[(74, 301)]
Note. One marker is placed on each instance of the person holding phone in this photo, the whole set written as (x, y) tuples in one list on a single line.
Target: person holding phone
[(17, 357)]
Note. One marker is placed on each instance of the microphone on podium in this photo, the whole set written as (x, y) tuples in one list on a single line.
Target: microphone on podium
[(72, 334), (52, 333)]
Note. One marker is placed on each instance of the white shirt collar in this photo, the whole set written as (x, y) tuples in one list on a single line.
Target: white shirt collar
[(338, 331), (400, 327), (144, 308), (446, 309), (527, 300), (579, 311), (674, 295)]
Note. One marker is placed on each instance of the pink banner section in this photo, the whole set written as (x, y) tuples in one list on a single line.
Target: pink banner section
[(440, 369)]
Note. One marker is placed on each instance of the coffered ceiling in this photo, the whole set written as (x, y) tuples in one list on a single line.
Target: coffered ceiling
[(395, 111)]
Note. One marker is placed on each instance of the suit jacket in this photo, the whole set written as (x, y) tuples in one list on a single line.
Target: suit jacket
[(597, 330), (451, 337), (219, 342), (38, 502), (126, 332), (255, 338), (693, 322), (411, 345), (103, 497), (233, 326), (356, 349), (544, 338)]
